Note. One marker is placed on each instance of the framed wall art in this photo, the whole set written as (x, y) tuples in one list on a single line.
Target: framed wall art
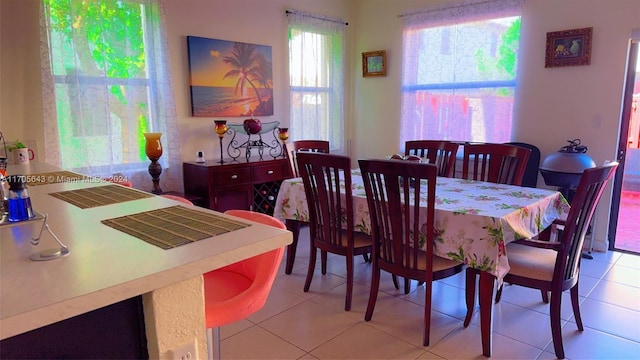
[(374, 63), (568, 48), (229, 78)]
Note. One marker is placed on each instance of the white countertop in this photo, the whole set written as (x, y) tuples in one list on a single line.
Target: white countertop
[(105, 265)]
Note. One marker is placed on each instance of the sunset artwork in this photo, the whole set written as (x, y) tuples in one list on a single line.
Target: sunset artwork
[(229, 78)]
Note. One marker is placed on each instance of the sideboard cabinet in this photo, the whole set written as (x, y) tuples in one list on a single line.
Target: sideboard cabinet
[(250, 185)]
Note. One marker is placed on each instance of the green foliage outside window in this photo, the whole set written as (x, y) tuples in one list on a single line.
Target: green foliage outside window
[(94, 39)]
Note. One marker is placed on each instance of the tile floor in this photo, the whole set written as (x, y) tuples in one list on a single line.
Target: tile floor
[(314, 325)]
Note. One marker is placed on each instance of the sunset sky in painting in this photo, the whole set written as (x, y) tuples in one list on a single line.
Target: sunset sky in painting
[(205, 60)]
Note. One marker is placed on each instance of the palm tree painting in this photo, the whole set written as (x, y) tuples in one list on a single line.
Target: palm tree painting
[(229, 78)]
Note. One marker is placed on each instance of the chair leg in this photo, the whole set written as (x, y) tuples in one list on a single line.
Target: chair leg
[(373, 293), (556, 330), (395, 281), (213, 343), (294, 227), (347, 300), (470, 294), (576, 307), (407, 285), (545, 296), (366, 258), (427, 313), (323, 259), (499, 293), (311, 268)]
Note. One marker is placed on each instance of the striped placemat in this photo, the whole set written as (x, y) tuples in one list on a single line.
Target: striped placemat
[(173, 226), (100, 196), (56, 177)]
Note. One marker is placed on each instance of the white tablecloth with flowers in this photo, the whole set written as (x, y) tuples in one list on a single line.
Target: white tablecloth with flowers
[(474, 220)]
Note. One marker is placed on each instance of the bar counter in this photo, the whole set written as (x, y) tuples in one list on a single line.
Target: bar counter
[(106, 266)]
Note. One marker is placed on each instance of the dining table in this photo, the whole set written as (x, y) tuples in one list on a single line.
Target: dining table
[(474, 221)]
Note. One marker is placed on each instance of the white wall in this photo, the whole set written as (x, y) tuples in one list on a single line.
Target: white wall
[(253, 21), (552, 105)]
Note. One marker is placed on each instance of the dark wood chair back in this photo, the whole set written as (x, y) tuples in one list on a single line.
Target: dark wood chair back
[(331, 217), (442, 153), (311, 145), (530, 178), (321, 146), (402, 229), (496, 163), (583, 206)]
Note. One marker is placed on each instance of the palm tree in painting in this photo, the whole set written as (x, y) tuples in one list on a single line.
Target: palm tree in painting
[(249, 67)]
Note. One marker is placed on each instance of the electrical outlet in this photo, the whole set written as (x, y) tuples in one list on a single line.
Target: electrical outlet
[(188, 351)]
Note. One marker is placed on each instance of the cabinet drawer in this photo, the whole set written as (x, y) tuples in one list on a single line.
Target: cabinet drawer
[(231, 177), (266, 173)]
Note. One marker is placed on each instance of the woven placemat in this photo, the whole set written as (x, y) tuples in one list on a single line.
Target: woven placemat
[(54, 178), (174, 226), (100, 195)]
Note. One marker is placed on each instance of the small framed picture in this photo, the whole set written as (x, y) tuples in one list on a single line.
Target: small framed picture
[(374, 63), (568, 48)]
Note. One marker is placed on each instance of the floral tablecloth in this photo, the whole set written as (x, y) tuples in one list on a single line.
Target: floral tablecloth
[(474, 220)]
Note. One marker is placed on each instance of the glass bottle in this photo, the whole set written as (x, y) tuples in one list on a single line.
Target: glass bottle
[(18, 200)]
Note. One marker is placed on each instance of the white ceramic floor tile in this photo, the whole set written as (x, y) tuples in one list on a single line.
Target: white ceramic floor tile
[(257, 343), (406, 322), (593, 344), (624, 275), (279, 300), (595, 269), (445, 298), (309, 325), (335, 299), (611, 319), (532, 299), (356, 343), (632, 261), (617, 294), (464, 343)]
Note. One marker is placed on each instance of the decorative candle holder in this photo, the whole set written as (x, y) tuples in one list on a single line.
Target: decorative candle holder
[(221, 129), (283, 135), (153, 149)]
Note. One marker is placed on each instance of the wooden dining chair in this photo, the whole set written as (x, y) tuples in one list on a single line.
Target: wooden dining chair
[(292, 148), (331, 224), (496, 163), (402, 227), (553, 266), (442, 153)]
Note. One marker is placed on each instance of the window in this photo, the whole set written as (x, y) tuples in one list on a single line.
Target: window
[(316, 52), (459, 72), (106, 67)]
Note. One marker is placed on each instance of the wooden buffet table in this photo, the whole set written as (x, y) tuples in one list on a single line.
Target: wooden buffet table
[(107, 266), (237, 184)]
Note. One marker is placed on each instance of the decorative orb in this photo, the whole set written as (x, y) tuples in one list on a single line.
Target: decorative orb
[(252, 126)]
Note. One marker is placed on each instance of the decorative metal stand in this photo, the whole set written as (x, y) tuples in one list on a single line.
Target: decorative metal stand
[(48, 254), (274, 147)]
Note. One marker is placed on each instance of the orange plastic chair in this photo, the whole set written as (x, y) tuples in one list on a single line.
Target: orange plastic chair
[(238, 290), (177, 198)]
